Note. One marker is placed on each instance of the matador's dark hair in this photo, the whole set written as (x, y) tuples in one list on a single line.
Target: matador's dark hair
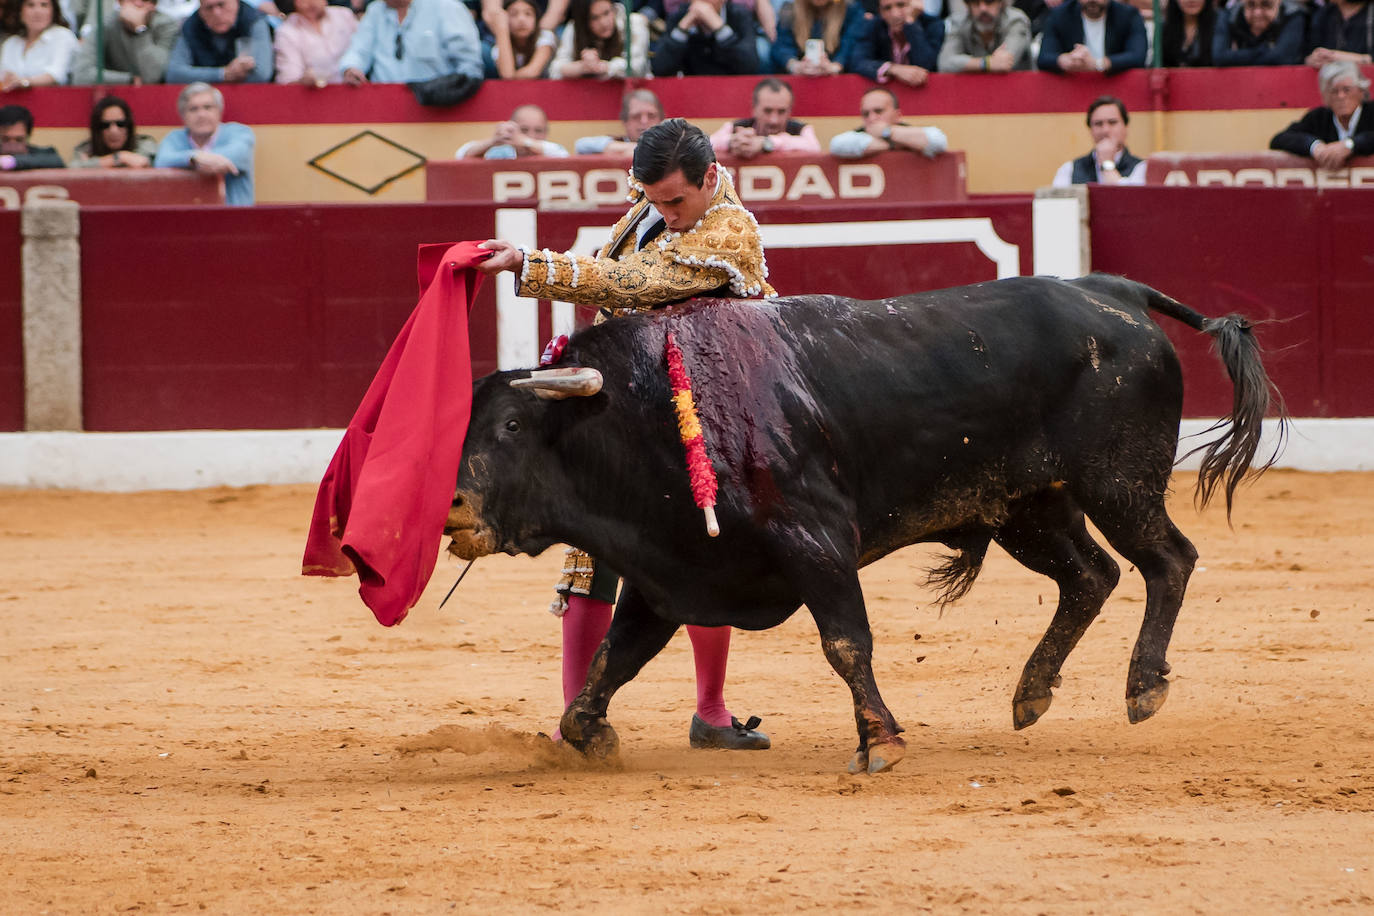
[(671, 145)]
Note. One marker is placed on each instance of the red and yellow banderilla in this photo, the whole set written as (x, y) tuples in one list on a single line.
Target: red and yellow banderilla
[(699, 470)]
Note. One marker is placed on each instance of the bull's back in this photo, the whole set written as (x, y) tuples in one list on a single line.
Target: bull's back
[(935, 403)]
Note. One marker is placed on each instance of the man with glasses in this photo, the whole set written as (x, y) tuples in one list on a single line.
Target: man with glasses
[(408, 41), (994, 37), (1342, 128), (226, 41)]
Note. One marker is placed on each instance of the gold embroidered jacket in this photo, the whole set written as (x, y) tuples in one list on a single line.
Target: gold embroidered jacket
[(722, 249)]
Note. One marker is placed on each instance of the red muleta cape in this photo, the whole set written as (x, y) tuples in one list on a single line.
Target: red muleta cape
[(382, 503)]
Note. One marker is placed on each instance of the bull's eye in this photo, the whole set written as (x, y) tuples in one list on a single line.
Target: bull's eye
[(512, 426)]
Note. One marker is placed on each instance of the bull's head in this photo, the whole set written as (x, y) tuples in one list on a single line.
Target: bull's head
[(510, 461)]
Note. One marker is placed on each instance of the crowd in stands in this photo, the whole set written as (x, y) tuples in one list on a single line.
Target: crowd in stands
[(318, 42), (444, 49)]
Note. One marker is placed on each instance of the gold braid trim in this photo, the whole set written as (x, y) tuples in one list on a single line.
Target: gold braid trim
[(578, 569), (722, 249)]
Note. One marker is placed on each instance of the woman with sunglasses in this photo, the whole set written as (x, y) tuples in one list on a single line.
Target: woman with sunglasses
[(114, 141)]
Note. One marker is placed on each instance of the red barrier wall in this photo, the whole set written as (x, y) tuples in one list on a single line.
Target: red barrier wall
[(1298, 257), (11, 328), (114, 187), (273, 317)]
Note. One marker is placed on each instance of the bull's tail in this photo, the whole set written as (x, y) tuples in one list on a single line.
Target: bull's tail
[(1227, 460)]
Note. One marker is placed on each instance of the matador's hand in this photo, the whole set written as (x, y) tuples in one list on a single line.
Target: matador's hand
[(506, 257)]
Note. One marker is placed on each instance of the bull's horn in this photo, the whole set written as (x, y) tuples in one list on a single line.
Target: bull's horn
[(556, 384)]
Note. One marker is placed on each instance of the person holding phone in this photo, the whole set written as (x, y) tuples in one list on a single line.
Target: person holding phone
[(836, 24)]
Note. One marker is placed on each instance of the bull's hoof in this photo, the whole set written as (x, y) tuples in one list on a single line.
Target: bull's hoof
[(1028, 710), (593, 738), (859, 763), (885, 756), (1146, 703)]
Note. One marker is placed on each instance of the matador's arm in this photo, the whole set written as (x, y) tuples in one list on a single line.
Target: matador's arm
[(643, 279)]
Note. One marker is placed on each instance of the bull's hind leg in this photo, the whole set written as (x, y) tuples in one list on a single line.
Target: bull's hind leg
[(636, 635), (837, 606), (1047, 535), (1141, 531)]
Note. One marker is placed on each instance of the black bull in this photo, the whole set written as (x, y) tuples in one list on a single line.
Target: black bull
[(843, 430)]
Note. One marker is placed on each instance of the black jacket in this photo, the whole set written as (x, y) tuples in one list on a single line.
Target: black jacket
[(710, 55), (1125, 35), (38, 157), (874, 48), (1320, 124)]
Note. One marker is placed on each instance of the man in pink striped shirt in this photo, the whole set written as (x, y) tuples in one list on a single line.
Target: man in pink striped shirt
[(311, 41), (772, 127)]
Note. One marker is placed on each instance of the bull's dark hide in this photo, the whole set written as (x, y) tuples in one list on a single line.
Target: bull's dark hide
[(843, 430)]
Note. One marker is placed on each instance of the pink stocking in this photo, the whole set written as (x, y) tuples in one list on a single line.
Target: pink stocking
[(710, 651), (584, 626)]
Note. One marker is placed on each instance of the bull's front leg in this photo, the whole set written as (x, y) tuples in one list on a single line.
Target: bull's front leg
[(842, 620), (636, 635)]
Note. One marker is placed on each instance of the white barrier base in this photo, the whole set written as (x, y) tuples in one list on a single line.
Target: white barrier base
[(127, 462)]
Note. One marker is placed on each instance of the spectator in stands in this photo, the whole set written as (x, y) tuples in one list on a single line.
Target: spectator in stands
[(138, 44), (403, 41), (1258, 33), (42, 51), (994, 37), (1110, 162), (595, 43), (1186, 39), (639, 111), (765, 13), (312, 41), (901, 44), (1341, 128), (531, 48), (16, 152), (210, 145), (817, 37), (1093, 36), (115, 142), (1341, 30), (883, 129), (771, 127), (525, 134), (226, 41), (708, 38)]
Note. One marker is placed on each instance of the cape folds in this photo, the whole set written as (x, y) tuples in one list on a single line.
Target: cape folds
[(381, 506)]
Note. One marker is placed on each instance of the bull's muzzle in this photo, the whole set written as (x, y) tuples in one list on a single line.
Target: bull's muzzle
[(470, 537), (557, 384)]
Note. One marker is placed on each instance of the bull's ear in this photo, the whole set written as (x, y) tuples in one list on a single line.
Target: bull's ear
[(557, 384)]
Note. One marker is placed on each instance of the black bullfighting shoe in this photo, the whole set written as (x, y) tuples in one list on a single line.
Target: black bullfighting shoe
[(737, 736)]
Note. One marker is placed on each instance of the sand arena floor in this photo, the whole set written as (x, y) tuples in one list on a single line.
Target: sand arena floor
[(187, 724)]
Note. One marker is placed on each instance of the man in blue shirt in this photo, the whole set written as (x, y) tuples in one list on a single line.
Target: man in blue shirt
[(407, 41), (208, 145), (224, 41)]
